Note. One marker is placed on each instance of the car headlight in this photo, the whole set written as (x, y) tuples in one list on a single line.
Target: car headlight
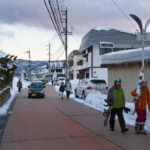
[(30, 92), (41, 91)]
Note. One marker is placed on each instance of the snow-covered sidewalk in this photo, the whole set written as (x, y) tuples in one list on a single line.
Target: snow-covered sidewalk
[(14, 91), (96, 100)]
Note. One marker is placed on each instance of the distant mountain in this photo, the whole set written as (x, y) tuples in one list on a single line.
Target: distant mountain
[(23, 65)]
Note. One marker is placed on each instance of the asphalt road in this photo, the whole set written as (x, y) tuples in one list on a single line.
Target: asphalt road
[(54, 124)]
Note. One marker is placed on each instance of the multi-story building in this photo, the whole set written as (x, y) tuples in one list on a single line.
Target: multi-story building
[(102, 40), (75, 64), (45, 73)]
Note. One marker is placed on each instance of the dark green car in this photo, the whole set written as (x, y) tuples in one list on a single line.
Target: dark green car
[(36, 89)]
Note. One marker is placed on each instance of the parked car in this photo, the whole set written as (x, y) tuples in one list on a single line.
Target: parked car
[(61, 79), (36, 89), (85, 86)]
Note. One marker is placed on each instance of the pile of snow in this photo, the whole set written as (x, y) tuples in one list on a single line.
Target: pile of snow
[(96, 99), (14, 91), (2, 54)]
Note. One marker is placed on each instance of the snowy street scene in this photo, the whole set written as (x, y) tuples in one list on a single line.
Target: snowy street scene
[(74, 75)]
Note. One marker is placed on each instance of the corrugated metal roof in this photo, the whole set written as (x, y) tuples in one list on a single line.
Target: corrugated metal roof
[(116, 36)]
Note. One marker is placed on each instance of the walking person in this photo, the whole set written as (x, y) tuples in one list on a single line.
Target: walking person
[(19, 85), (52, 82), (68, 88), (62, 89), (117, 99), (140, 106)]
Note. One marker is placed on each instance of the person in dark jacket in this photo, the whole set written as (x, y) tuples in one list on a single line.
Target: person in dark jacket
[(117, 99), (52, 82), (19, 85), (62, 89)]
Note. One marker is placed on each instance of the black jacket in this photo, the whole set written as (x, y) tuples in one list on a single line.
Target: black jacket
[(62, 88)]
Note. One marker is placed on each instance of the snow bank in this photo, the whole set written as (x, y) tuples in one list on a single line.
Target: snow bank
[(14, 91), (95, 100), (2, 54)]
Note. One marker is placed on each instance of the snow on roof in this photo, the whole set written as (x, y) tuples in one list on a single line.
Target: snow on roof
[(42, 67), (107, 28), (119, 57), (2, 54)]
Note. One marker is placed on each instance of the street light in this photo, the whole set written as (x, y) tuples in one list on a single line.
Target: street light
[(143, 33)]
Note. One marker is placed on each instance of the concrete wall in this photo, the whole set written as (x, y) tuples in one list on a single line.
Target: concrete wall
[(96, 56), (75, 66), (129, 75)]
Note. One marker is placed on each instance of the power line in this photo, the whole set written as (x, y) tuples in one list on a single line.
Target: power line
[(60, 55), (123, 13), (52, 13), (56, 21), (58, 50)]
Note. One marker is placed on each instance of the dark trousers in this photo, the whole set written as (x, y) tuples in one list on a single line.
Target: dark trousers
[(68, 94), (19, 89), (119, 112)]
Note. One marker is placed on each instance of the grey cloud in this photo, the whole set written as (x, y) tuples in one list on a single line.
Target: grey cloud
[(29, 12), (83, 14)]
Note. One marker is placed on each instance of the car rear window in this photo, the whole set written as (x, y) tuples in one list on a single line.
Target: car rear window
[(98, 81), (61, 79), (36, 85)]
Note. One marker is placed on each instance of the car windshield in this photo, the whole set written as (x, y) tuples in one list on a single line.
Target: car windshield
[(36, 85)]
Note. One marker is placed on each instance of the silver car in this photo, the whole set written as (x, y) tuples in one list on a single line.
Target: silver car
[(85, 86)]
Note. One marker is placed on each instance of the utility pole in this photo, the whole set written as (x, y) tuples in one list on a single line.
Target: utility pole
[(29, 64), (66, 33), (49, 61)]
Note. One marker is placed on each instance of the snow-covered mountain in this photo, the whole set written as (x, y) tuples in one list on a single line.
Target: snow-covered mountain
[(23, 65)]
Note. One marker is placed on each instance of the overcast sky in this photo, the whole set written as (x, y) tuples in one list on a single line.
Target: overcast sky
[(26, 25)]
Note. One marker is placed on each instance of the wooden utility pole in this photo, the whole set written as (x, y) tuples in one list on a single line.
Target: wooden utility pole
[(29, 64), (66, 33), (49, 62)]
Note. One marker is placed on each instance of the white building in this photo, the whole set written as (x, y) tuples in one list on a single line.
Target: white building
[(46, 74), (43, 73), (75, 64), (102, 40)]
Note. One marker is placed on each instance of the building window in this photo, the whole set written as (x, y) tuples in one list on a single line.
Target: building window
[(79, 62), (70, 62), (58, 70), (105, 50), (87, 75), (105, 47)]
